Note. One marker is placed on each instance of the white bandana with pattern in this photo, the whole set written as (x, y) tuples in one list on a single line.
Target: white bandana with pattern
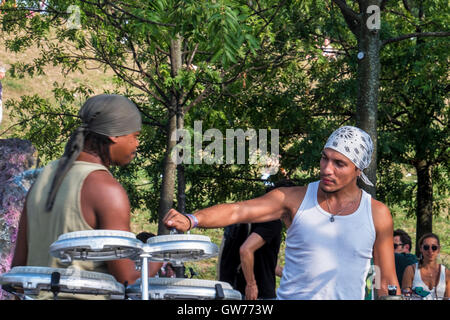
[(355, 144)]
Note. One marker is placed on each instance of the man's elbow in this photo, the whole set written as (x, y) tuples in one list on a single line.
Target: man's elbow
[(245, 253)]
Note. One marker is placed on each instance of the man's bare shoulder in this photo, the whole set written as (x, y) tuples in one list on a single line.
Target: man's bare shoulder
[(379, 207), (289, 193), (298, 190), (381, 214), (102, 178), (101, 186), (292, 197)]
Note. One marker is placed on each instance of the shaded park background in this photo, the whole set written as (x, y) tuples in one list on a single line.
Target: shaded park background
[(286, 65)]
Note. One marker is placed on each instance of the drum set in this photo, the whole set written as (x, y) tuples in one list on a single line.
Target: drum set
[(107, 245)]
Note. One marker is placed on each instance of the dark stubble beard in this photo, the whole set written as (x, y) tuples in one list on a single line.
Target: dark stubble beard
[(329, 192)]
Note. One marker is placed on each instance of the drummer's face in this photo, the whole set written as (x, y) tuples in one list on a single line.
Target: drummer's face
[(123, 150)]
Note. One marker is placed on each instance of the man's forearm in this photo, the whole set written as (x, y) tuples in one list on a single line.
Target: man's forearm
[(247, 264), (218, 216)]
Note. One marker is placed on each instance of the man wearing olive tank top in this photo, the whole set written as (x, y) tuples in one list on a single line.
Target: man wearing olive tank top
[(77, 192)]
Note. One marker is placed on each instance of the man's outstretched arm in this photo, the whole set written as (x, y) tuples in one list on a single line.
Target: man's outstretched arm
[(271, 206)]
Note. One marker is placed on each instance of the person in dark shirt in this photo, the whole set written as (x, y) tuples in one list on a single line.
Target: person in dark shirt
[(259, 256), (249, 256), (402, 251)]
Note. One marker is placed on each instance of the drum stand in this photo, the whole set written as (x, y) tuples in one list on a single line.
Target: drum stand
[(143, 261), (54, 284), (144, 256)]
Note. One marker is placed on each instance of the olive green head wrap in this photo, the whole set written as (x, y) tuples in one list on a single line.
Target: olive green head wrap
[(107, 114)]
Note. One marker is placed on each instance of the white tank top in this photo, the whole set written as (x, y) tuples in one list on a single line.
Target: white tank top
[(436, 292), (327, 260)]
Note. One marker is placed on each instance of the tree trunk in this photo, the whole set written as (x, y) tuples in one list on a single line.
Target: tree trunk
[(181, 193), (368, 76), (170, 167), (168, 179), (424, 209), (424, 197), (181, 186)]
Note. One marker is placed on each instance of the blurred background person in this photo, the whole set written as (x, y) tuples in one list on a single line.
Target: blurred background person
[(427, 278), (249, 255), (402, 251)]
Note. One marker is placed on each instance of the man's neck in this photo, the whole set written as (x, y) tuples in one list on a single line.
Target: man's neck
[(89, 157), (345, 194)]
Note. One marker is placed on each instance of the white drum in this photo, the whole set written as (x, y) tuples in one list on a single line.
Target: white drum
[(184, 289), (178, 248), (96, 245), (32, 280)]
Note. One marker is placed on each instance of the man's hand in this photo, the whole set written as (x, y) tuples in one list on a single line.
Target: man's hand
[(251, 291), (174, 219)]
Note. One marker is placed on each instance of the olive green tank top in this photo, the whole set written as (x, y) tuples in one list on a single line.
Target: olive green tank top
[(44, 227)]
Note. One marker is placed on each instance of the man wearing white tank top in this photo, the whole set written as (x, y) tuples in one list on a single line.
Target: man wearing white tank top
[(335, 228)]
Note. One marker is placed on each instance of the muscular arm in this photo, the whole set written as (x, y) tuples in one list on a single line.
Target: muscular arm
[(247, 253), (106, 198), (383, 250), (271, 206)]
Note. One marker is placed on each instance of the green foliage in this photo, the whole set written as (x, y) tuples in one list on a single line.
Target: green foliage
[(48, 125), (135, 39), (394, 190), (413, 110), (244, 64)]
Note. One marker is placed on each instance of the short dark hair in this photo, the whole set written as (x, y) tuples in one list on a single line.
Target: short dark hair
[(404, 237), (98, 144)]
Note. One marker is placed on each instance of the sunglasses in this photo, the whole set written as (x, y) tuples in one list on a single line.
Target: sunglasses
[(427, 247), (398, 245)]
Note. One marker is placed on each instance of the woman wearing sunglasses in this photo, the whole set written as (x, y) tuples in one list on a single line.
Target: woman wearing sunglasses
[(427, 278)]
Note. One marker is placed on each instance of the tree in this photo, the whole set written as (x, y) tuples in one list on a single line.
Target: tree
[(364, 52), (168, 55), (304, 99), (415, 114), (365, 25)]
